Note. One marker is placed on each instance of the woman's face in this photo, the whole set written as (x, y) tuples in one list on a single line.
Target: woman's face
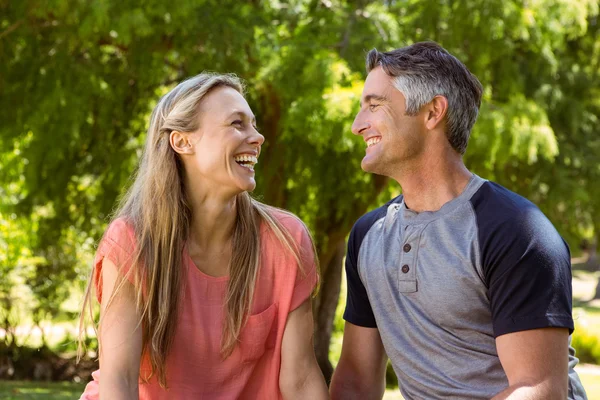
[(226, 146)]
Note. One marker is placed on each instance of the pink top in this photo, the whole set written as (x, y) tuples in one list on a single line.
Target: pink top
[(195, 369)]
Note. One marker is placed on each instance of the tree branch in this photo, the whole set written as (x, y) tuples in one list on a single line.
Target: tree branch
[(11, 28)]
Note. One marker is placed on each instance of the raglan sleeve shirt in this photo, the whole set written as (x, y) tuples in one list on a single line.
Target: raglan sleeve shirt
[(358, 308), (527, 270)]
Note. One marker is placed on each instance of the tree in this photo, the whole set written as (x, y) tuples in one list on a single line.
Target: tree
[(78, 80)]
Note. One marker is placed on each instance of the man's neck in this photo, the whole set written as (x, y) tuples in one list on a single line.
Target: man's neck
[(433, 182)]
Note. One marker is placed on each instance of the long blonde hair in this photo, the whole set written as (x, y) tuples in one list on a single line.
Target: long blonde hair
[(157, 208)]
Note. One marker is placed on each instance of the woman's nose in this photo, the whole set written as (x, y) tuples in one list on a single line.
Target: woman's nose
[(256, 138)]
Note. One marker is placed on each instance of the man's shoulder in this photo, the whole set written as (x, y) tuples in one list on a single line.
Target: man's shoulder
[(364, 223), (496, 205), (506, 220)]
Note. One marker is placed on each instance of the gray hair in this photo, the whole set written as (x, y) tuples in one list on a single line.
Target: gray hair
[(424, 70)]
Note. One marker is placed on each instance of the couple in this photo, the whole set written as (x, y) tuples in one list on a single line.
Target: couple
[(205, 292)]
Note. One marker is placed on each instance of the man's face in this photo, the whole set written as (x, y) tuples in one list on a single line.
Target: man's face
[(393, 138)]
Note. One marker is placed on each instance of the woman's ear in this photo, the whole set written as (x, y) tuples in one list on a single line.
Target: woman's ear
[(181, 142)]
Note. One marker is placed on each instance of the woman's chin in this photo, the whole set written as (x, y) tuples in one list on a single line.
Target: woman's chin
[(244, 185), (249, 186)]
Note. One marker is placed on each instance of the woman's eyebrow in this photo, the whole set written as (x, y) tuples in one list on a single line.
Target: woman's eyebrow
[(243, 115)]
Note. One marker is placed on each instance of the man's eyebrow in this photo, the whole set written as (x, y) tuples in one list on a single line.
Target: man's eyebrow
[(368, 98)]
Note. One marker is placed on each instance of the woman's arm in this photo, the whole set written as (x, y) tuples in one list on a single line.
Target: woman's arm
[(120, 338), (300, 376)]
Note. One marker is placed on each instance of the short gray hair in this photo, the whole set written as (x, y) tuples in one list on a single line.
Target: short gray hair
[(425, 70)]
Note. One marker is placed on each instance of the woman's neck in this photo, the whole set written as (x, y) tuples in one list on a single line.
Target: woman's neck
[(213, 222)]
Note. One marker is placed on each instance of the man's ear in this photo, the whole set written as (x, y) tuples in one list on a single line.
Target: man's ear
[(181, 142), (436, 111)]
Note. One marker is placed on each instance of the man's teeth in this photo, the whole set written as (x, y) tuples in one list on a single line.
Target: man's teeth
[(246, 160), (373, 141)]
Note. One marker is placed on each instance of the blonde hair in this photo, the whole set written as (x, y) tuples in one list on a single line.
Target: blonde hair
[(157, 208)]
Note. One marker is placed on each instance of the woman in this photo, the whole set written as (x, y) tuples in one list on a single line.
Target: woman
[(204, 292)]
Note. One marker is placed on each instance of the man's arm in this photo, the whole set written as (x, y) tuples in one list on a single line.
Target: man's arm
[(536, 364), (360, 373), (120, 338), (300, 376)]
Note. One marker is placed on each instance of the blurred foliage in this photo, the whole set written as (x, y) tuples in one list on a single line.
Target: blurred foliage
[(587, 345), (78, 80)]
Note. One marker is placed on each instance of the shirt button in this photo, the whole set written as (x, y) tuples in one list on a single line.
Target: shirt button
[(407, 248), (405, 268)]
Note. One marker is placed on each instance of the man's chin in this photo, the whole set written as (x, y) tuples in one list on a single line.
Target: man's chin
[(369, 167)]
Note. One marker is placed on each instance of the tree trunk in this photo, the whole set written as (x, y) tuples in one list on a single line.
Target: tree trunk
[(592, 264), (273, 178), (326, 305), (335, 229), (331, 257)]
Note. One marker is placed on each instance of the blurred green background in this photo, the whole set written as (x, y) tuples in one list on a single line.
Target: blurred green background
[(79, 78)]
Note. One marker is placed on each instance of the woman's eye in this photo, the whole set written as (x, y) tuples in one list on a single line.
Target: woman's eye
[(237, 122)]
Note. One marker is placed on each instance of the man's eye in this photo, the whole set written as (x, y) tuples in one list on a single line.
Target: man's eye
[(372, 107)]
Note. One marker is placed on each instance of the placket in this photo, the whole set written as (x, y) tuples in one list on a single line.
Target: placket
[(407, 265)]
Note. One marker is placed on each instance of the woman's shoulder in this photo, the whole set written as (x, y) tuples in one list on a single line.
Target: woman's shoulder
[(288, 220), (118, 245), (121, 232)]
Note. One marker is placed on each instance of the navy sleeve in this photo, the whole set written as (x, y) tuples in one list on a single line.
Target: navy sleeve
[(358, 308), (525, 262)]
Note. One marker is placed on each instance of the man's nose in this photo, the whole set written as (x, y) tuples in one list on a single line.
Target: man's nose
[(359, 124)]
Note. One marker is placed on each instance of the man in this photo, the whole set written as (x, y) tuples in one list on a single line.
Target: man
[(465, 285)]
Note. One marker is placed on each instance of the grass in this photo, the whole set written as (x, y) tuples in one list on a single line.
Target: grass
[(11, 390), (19, 390), (591, 383), (587, 318)]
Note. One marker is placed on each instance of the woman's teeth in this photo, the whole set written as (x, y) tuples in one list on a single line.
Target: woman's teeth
[(373, 141), (247, 161)]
